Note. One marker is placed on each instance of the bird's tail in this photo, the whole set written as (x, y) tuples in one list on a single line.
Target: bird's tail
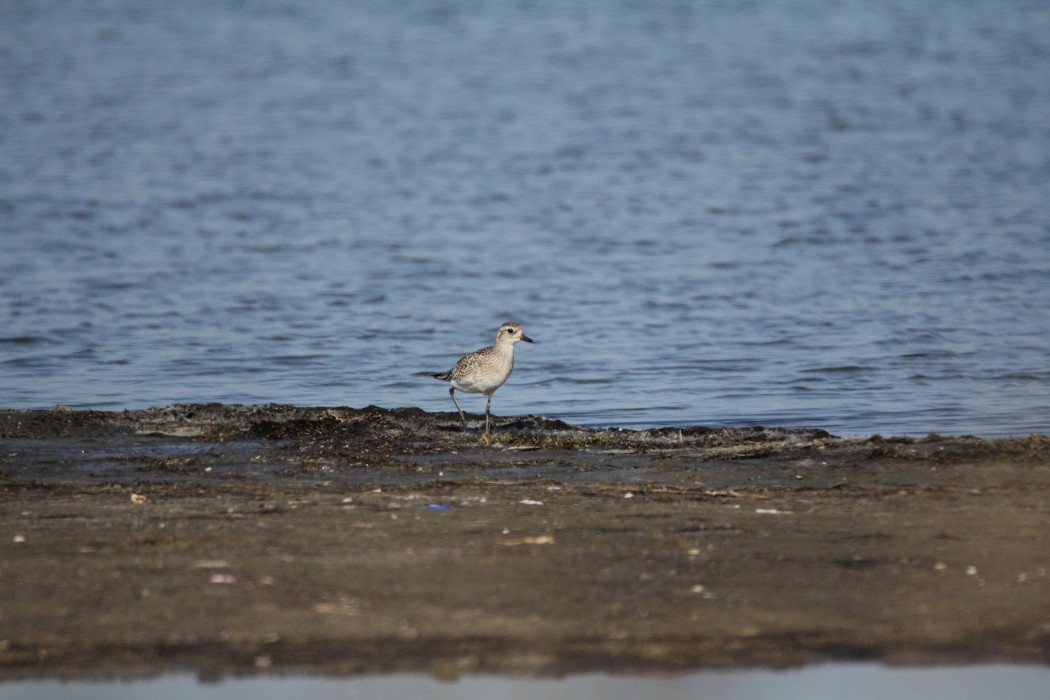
[(443, 376)]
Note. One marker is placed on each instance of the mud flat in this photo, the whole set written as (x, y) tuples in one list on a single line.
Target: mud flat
[(233, 540)]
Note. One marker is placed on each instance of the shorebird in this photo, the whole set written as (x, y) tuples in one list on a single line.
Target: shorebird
[(483, 371)]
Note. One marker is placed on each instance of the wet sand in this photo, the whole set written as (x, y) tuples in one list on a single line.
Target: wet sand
[(271, 539)]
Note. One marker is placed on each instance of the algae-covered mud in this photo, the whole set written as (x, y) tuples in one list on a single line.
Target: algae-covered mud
[(251, 539)]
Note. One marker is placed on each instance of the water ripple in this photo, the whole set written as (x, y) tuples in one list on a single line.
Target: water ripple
[(344, 197)]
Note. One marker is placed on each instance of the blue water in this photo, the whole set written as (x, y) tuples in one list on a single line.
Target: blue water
[(800, 213), (853, 681)]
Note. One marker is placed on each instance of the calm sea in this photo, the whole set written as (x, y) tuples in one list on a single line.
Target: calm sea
[(795, 213)]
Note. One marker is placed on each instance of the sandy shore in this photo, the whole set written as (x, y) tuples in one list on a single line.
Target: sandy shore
[(239, 540)]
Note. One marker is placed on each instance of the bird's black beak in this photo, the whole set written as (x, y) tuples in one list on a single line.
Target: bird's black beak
[(527, 339)]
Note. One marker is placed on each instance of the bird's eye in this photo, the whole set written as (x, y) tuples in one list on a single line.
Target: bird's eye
[(511, 331)]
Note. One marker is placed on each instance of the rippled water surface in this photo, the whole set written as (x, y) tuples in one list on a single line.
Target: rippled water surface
[(798, 213)]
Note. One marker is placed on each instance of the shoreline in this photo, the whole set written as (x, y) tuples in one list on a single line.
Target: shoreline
[(233, 540)]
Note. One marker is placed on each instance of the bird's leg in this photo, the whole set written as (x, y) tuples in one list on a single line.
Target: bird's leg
[(488, 413), (452, 393)]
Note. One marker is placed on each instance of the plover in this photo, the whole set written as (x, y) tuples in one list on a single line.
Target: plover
[(483, 371)]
